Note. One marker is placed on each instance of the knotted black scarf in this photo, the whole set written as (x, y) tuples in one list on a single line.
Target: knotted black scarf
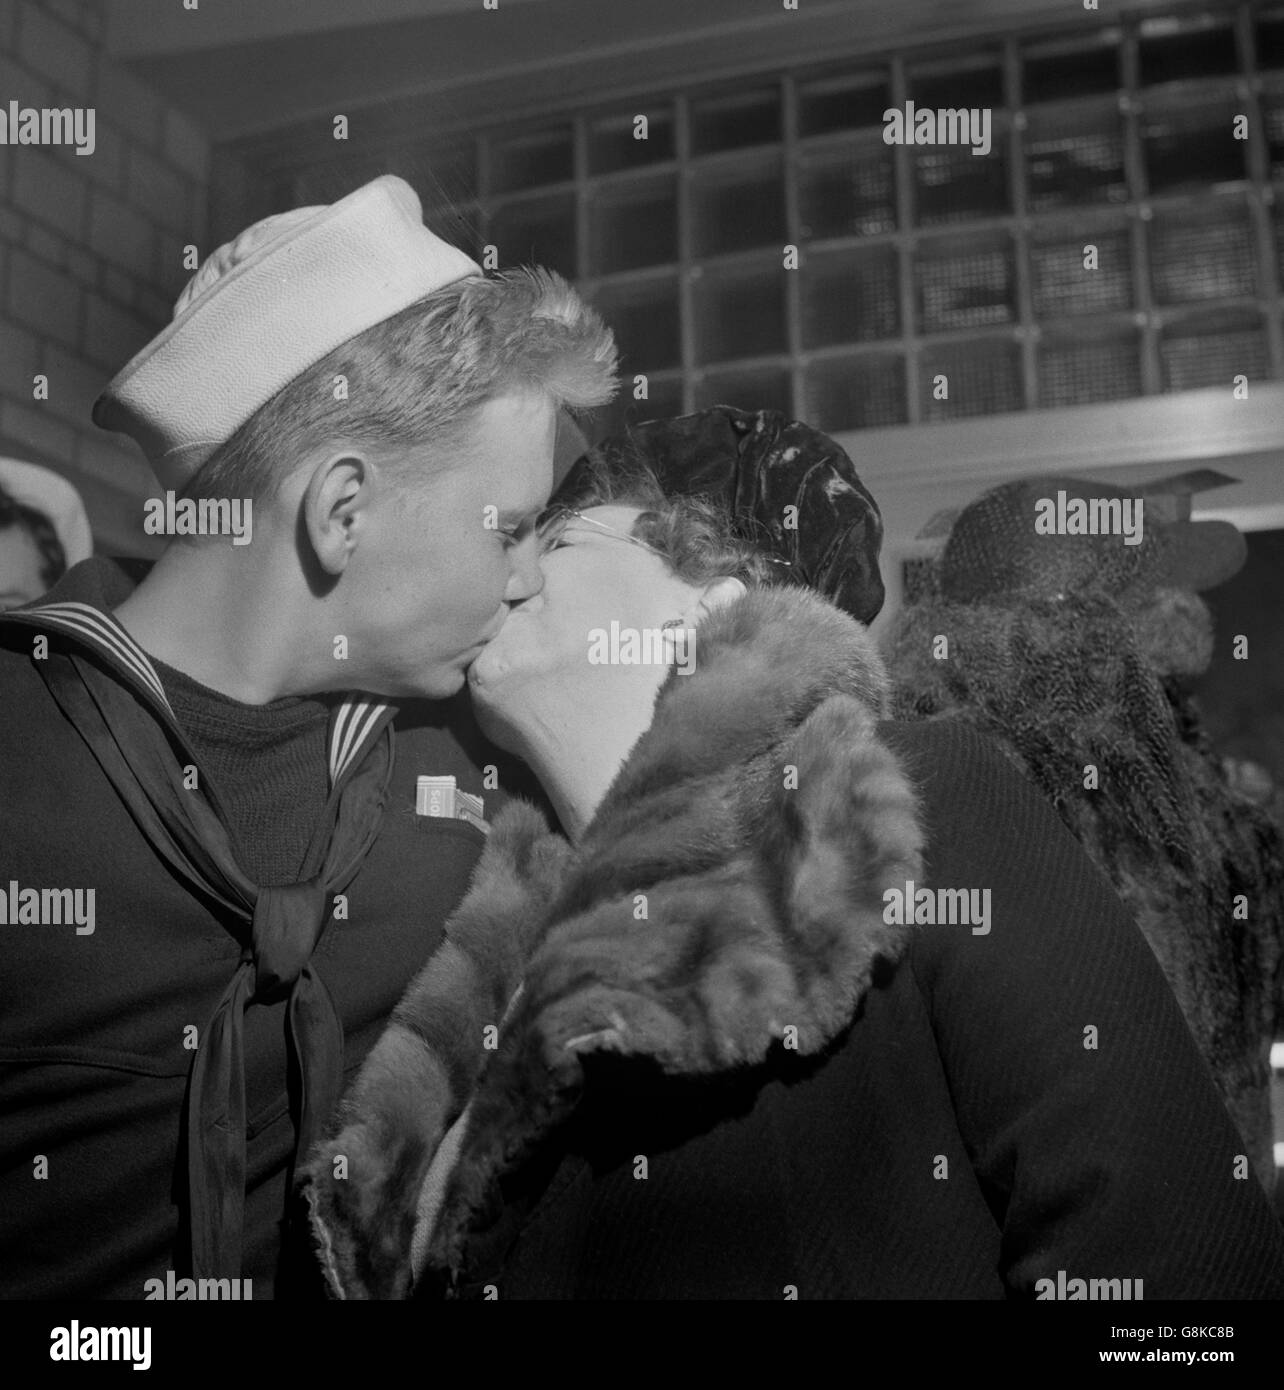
[(277, 927)]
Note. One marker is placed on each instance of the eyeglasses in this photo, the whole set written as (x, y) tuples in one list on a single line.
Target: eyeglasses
[(553, 527)]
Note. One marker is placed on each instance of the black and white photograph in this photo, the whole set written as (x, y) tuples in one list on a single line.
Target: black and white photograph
[(642, 660)]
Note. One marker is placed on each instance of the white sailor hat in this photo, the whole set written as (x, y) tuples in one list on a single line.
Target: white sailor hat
[(265, 307)]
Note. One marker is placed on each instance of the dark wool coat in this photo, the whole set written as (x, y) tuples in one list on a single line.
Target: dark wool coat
[(93, 1067), (761, 1089)]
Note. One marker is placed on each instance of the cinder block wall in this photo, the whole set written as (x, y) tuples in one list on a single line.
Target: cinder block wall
[(91, 252)]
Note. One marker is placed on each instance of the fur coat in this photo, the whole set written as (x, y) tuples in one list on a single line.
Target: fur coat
[(725, 902)]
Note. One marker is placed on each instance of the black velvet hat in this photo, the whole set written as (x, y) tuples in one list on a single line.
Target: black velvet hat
[(757, 464)]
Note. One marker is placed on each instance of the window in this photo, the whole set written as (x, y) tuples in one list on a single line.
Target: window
[(1123, 235)]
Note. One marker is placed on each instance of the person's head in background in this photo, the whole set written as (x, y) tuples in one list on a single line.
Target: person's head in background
[(394, 481), (31, 555)]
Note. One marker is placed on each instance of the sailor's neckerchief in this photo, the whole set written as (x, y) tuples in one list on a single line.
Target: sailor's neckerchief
[(110, 691)]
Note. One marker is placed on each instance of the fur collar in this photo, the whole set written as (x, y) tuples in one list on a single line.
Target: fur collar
[(726, 900)]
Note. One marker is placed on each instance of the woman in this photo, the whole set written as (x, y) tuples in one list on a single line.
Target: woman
[(734, 1068), (1075, 654)]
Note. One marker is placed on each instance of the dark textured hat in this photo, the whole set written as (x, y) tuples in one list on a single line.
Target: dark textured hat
[(756, 464), (1003, 543)]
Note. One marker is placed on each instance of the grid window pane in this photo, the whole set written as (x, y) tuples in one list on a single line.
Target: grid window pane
[(1062, 284), (951, 184), (528, 161), (1053, 74), (1273, 119), (1270, 41), (537, 231), (737, 209), (1199, 51), (664, 401), (644, 318), (613, 141), (1279, 242), (965, 284), (746, 388), (975, 83), (740, 314), (983, 377), (843, 103), (855, 393), (732, 121), (460, 226), (850, 297), (852, 193), (1206, 253), (633, 225), (1192, 144), (1077, 370), (1075, 155), (1212, 352)]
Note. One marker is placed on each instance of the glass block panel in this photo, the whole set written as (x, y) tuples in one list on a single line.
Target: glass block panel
[(1074, 155), (740, 313), (847, 193), (664, 401), (460, 226), (849, 102), (855, 393), (537, 231), (983, 377), (733, 120), (1201, 50), (613, 141), (528, 161), (1054, 73), (739, 208), (951, 184), (976, 83), (633, 224), (746, 388), (1213, 351), (1273, 119), (1077, 369), (965, 283), (439, 173), (644, 318), (1270, 41), (1060, 282), (1279, 242), (1192, 144), (1203, 253), (850, 296)]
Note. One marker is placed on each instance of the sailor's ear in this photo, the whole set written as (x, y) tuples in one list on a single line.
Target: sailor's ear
[(333, 506)]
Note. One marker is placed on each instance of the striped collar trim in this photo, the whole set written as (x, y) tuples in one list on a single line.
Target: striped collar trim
[(101, 630), (352, 726), (351, 733)]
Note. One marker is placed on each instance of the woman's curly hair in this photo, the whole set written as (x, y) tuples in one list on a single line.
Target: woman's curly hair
[(699, 539)]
